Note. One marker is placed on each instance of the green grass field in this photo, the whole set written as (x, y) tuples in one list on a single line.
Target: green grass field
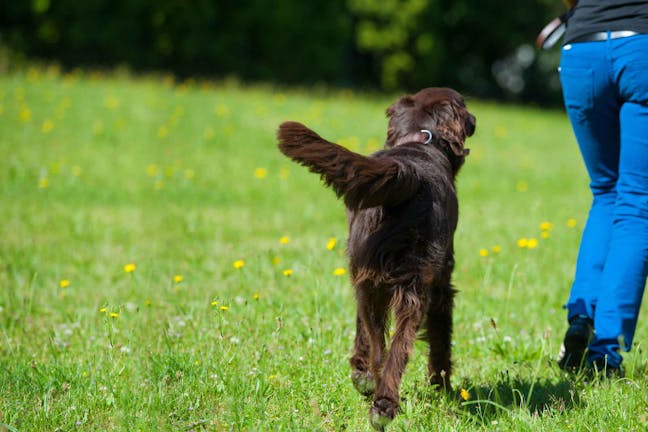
[(164, 268)]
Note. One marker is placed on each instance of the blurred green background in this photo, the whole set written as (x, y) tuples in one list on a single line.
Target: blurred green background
[(483, 48)]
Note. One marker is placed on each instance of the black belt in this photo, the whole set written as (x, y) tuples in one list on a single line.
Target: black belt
[(603, 36)]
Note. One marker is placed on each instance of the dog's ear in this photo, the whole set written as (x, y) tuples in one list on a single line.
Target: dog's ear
[(470, 122), (398, 113), (399, 106), (464, 127)]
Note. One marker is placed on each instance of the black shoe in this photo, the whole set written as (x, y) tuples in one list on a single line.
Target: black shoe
[(572, 352)]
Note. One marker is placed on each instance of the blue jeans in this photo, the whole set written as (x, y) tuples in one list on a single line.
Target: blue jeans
[(605, 89)]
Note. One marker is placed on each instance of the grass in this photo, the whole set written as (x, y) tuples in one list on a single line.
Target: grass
[(230, 316)]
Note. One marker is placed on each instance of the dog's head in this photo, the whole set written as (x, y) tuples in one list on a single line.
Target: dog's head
[(442, 111)]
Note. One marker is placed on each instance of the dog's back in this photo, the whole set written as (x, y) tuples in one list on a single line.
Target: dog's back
[(395, 241)]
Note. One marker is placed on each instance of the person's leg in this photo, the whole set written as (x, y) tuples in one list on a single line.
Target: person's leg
[(626, 267), (592, 108)]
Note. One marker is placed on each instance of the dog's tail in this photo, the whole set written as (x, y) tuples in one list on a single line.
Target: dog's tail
[(362, 181)]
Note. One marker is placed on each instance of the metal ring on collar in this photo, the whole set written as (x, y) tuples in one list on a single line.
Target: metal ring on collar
[(429, 134)]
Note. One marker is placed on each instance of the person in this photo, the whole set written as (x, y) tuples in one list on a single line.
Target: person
[(604, 76)]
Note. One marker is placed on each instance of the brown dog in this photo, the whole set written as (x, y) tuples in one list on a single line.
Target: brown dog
[(402, 211)]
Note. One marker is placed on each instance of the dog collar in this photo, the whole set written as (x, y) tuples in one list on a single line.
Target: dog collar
[(423, 136)]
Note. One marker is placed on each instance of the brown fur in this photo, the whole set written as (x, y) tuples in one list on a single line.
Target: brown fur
[(402, 211)]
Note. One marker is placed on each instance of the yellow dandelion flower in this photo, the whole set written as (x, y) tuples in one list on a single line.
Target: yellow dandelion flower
[(224, 308), (238, 264), (497, 249), (64, 283), (43, 182), (221, 110), (532, 243), (522, 186), (546, 226), (339, 271), (284, 240), (111, 102), (544, 234), (214, 303), (332, 241), (103, 310), (571, 223), (129, 268), (177, 278), (48, 125), (483, 252), (464, 394), (523, 242), (148, 302), (152, 170), (55, 167), (169, 171), (25, 115), (276, 260), (260, 173), (288, 272), (163, 132), (113, 314), (120, 123), (255, 296)]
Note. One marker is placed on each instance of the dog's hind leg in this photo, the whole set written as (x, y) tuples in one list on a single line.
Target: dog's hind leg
[(408, 312), (438, 334), (362, 378), (369, 347)]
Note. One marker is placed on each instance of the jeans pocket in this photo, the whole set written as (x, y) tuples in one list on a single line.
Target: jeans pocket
[(578, 90), (634, 82)]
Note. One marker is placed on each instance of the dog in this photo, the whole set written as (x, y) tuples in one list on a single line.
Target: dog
[(402, 211)]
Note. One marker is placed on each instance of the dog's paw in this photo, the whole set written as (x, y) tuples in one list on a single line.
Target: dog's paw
[(363, 382), (382, 412)]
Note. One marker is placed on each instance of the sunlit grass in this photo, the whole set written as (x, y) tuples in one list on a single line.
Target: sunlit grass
[(163, 267)]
